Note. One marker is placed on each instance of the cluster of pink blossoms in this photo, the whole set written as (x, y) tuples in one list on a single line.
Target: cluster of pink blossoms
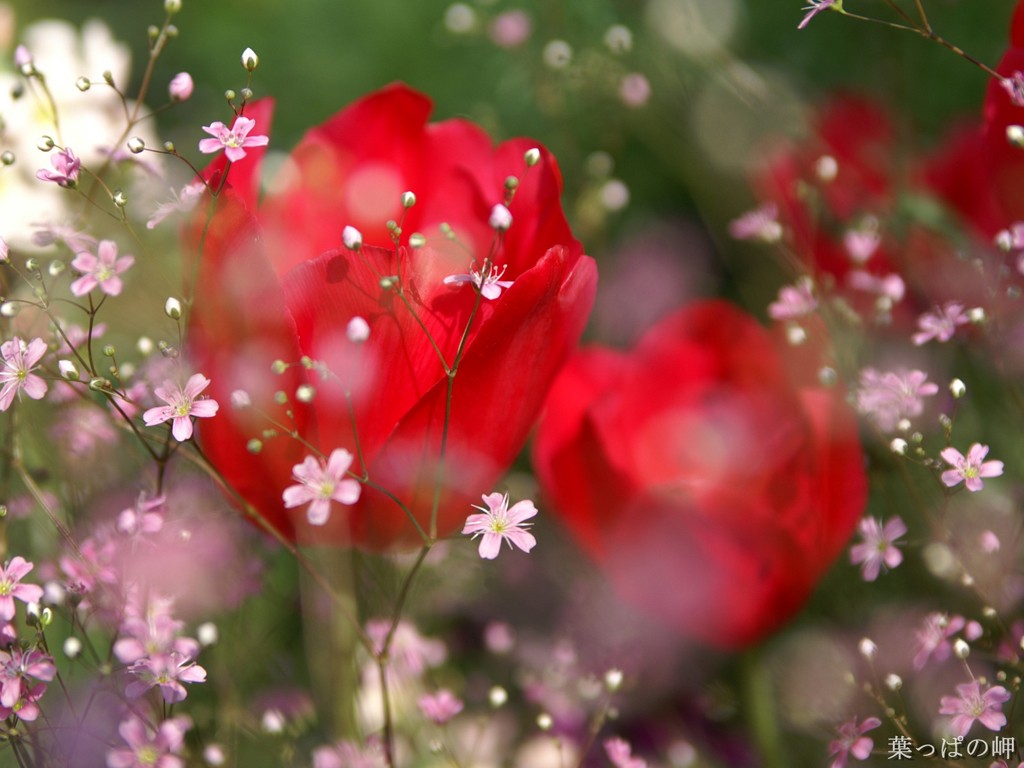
[(24, 671)]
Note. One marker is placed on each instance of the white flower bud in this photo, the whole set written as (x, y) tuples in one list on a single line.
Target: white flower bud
[(1015, 135), (68, 370), (83, 84), (172, 6), (531, 157), (893, 682), (417, 240), (497, 696), (136, 145), (408, 199), (826, 168), (250, 60), (144, 345), (957, 388), (304, 393), (214, 755), (172, 308), (357, 330), (501, 218), (352, 238), (207, 634), (8, 309), (613, 679), (961, 649), (619, 39), (272, 721), (544, 721), (72, 647), (867, 648), (898, 446), (557, 54), (976, 315)]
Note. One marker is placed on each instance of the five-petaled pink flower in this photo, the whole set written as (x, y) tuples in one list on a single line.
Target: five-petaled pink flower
[(100, 269), (166, 671), (65, 169), (19, 360), (232, 140), (11, 587), (972, 704), (816, 7), (500, 523), (181, 406), (440, 707), (794, 301), (146, 747), (969, 469), (490, 285), (852, 741), (878, 547), (321, 482), (941, 324)]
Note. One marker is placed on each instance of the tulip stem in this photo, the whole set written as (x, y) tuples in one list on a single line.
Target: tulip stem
[(759, 696)]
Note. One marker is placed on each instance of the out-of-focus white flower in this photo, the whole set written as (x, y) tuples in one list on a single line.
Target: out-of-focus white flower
[(90, 123)]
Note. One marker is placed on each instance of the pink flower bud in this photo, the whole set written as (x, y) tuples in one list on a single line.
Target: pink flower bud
[(180, 87)]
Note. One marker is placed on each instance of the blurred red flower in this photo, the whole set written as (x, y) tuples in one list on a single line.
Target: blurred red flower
[(1005, 161), (713, 490), (273, 282)]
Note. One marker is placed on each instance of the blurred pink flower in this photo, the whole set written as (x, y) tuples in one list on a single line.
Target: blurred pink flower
[(510, 29), (972, 704), (762, 224), (440, 707), (889, 397), (816, 7), (941, 324), (621, 755), (794, 301), (634, 90), (180, 87), (878, 547), (933, 638), (146, 747), (852, 741)]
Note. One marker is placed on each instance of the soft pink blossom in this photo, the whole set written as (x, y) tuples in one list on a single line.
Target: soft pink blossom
[(410, 653), (933, 638), (510, 29), (759, 224), (490, 285), (969, 469), (815, 7), (11, 587), (878, 547), (182, 405), (1014, 87), (634, 90), (76, 240), (146, 748), (181, 202), (18, 670), (166, 671), (889, 286), (852, 741), (621, 755), (941, 324), (65, 169), (440, 707), (180, 87), (19, 360), (100, 269), (320, 483), (972, 704), (349, 754), (794, 301), (889, 397), (861, 243), (232, 140), (500, 523)]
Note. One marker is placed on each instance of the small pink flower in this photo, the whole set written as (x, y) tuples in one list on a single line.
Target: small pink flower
[(634, 90), (759, 224), (852, 741), (320, 483), (146, 748), (861, 243), (65, 169), (490, 286), (889, 286), (888, 398), (440, 707), (1014, 87), (510, 29), (181, 406), (180, 87), (794, 301), (19, 360), (969, 469), (232, 140), (816, 7), (411, 653), (101, 269), (47, 234), (11, 587), (941, 324), (933, 638), (972, 704), (166, 671), (621, 755), (878, 547), (182, 202), (500, 523)]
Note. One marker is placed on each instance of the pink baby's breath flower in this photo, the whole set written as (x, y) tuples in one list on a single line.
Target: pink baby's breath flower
[(861, 243), (889, 286), (933, 638), (500, 523), (1014, 87), (181, 406), (794, 301), (490, 286), (634, 90), (19, 360), (410, 652), (17, 671), (759, 224), (852, 741), (76, 240), (349, 754), (180, 87), (232, 140), (972, 704), (440, 707), (320, 483), (816, 7), (100, 269), (621, 754), (182, 202), (11, 587), (510, 29), (941, 324), (65, 169), (889, 397), (166, 671), (878, 547), (969, 469), (146, 748)]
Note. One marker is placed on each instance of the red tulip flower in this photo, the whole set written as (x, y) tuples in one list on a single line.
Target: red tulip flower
[(275, 283), (712, 490)]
